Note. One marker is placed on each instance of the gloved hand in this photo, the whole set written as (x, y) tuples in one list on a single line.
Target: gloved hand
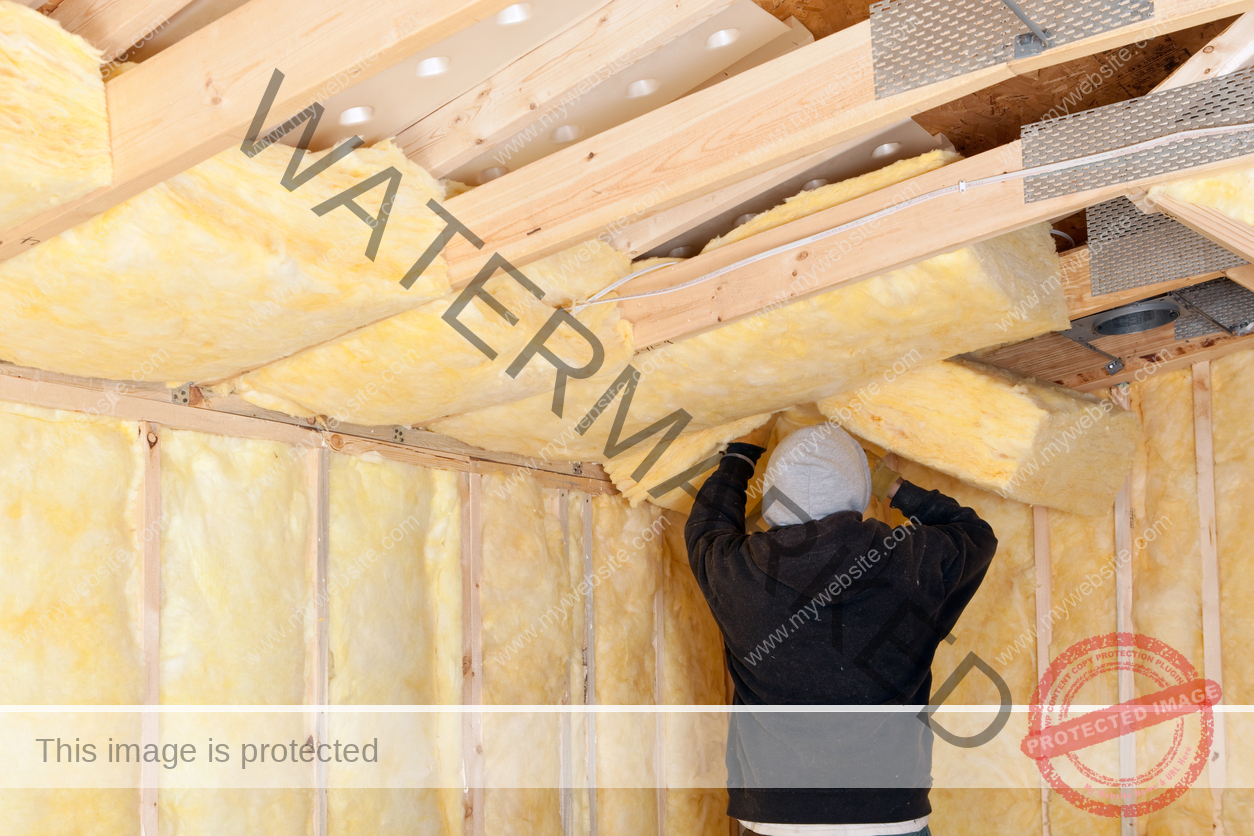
[(883, 478)]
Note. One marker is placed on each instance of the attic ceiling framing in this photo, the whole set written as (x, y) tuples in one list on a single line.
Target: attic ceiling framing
[(766, 117), (198, 97), (205, 87)]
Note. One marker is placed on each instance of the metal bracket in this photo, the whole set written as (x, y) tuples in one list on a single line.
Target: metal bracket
[(1237, 331), (1028, 44), (182, 395), (1113, 367), (398, 434), (1033, 42), (1218, 306)]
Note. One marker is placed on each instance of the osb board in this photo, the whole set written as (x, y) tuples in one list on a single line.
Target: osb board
[(821, 17)]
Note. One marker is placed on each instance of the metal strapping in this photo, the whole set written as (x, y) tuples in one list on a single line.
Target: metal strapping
[(1130, 249), (919, 42), (1227, 100)]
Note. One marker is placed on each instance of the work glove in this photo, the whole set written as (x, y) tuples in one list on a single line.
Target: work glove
[(883, 478)]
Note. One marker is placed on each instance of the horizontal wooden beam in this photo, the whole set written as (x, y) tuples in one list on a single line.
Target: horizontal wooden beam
[(231, 415), (1077, 286), (1054, 357), (765, 117), (547, 79), (904, 237), (198, 97), (114, 26)]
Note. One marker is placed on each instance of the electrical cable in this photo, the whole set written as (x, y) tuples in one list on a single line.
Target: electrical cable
[(960, 187)]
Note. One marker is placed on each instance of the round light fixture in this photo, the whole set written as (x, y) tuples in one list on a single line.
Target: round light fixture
[(428, 67), (492, 173), (356, 115), (516, 13), (643, 87), (682, 252), (886, 150), (744, 219), (722, 38), (811, 185), (1135, 318), (565, 133)]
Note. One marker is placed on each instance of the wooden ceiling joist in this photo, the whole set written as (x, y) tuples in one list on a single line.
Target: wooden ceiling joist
[(1054, 357), (114, 26), (904, 237), (198, 97), (763, 118), (1233, 50), (619, 34)]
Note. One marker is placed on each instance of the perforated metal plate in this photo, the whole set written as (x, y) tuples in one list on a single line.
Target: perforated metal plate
[(1227, 100), (1130, 249), (1223, 299), (918, 42)]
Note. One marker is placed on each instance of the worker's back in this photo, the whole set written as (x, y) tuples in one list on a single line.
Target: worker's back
[(834, 612)]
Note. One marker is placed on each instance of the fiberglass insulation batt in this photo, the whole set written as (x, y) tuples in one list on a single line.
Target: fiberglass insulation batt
[(818, 347), (1082, 605), (624, 609), (236, 588), (219, 270), (528, 648), (1232, 382), (1229, 192), (1167, 573), (1021, 438), (394, 593), (70, 600), (54, 131), (416, 367), (692, 674)]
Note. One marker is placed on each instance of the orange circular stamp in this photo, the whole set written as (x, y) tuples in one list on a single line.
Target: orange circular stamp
[(1175, 691)]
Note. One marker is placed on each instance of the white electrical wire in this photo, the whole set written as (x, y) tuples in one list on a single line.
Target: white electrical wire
[(961, 187)]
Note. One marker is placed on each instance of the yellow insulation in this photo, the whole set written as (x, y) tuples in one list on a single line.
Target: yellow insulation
[(688, 450), (832, 343), (416, 367), (1083, 587), (627, 554), (528, 645), (834, 194), (1229, 192), (70, 602), (1025, 439), (219, 270), (395, 608), (693, 674), (1167, 572), (1232, 382), (54, 131), (236, 591)]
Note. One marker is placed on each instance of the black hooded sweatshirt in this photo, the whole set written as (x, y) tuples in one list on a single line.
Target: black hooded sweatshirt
[(836, 612)]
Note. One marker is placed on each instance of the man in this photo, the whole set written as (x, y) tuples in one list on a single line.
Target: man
[(828, 609)]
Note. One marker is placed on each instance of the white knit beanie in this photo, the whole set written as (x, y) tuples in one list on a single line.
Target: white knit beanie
[(819, 470)]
